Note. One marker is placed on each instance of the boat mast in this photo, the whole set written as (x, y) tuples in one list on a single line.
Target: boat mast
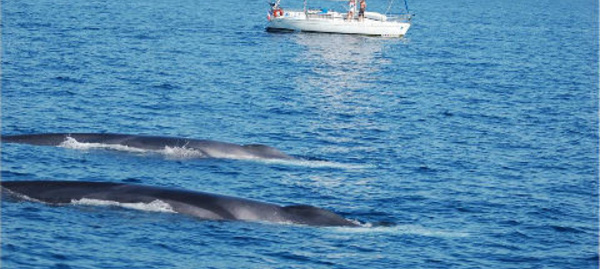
[(304, 6)]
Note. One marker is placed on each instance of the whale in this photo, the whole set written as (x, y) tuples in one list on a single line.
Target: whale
[(204, 148), (202, 205)]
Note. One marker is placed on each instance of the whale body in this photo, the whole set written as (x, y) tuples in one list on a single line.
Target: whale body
[(206, 148), (202, 205)]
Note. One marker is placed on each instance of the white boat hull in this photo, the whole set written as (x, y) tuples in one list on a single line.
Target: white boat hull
[(327, 23)]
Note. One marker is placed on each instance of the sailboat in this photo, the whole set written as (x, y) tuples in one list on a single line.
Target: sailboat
[(329, 21)]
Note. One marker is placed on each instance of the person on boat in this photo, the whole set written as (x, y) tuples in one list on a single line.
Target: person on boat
[(276, 10), (351, 7), (361, 11)]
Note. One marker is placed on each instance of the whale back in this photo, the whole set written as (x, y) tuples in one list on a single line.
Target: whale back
[(198, 204), (137, 141), (208, 148), (36, 139)]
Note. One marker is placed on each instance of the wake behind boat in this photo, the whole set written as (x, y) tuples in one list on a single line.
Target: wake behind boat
[(350, 22)]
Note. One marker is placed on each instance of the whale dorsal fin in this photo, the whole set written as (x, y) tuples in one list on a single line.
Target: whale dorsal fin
[(306, 214)]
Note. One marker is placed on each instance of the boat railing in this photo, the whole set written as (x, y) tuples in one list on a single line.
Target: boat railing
[(319, 16), (399, 17)]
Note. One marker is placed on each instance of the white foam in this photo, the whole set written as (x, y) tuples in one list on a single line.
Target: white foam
[(170, 152), (181, 153), (71, 143), (402, 230), (154, 206), (318, 164)]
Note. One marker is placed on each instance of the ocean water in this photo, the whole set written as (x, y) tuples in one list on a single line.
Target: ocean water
[(470, 143)]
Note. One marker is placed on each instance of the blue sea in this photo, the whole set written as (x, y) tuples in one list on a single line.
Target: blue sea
[(472, 142)]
